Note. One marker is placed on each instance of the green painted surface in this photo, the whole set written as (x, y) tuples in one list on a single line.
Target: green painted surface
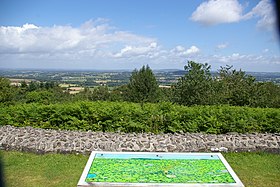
[(158, 171)]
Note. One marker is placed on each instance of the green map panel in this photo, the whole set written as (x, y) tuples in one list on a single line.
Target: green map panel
[(142, 170)]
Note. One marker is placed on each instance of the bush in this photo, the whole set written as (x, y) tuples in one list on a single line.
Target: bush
[(147, 117)]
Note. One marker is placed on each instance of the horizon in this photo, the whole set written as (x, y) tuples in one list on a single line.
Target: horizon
[(125, 35), (116, 70)]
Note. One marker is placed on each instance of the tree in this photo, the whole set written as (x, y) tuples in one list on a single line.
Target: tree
[(265, 94), (143, 86), (120, 93), (101, 93), (195, 88), (33, 86), (236, 86), (7, 92)]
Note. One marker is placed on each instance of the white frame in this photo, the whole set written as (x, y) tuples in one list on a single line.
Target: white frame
[(82, 182)]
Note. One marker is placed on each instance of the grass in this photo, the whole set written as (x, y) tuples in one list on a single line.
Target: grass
[(27, 169), (49, 170), (256, 169)]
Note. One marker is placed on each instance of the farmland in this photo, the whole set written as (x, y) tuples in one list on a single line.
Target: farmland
[(108, 78)]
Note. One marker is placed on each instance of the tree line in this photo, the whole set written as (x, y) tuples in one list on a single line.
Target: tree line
[(197, 87)]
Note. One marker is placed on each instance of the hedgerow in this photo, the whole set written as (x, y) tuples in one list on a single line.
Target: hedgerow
[(147, 117)]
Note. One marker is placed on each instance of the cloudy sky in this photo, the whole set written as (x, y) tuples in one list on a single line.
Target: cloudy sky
[(126, 34)]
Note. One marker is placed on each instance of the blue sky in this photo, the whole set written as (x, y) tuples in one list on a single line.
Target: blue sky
[(125, 34)]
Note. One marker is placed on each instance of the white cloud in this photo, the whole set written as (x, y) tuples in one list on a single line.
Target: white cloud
[(183, 52), (33, 39), (214, 12), (263, 10), (134, 51), (192, 50), (90, 37), (248, 60), (222, 46), (179, 48), (27, 26), (265, 50), (235, 55), (96, 44)]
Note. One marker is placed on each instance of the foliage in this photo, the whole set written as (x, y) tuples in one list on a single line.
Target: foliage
[(265, 94), (33, 86), (148, 117), (236, 86), (196, 86), (39, 97), (35, 92), (7, 92), (142, 86), (46, 105), (230, 87)]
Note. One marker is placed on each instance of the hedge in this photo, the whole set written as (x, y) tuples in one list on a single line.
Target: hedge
[(133, 117)]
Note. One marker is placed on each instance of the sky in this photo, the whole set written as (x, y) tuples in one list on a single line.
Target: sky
[(127, 34)]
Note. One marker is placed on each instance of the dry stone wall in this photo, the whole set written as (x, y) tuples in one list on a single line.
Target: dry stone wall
[(57, 141)]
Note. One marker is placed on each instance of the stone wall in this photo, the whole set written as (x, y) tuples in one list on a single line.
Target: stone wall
[(43, 141)]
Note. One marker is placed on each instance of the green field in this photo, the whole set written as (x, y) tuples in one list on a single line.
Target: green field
[(49, 170)]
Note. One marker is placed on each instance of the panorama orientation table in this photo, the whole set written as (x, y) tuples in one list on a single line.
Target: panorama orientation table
[(158, 169)]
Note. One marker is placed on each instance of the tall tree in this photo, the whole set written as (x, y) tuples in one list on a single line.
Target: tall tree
[(237, 87), (143, 86), (265, 94), (196, 86)]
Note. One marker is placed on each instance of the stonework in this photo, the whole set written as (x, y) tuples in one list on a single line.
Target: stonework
[(60, 141)]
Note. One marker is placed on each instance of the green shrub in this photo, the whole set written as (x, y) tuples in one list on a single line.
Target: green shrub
[(133, 117)]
